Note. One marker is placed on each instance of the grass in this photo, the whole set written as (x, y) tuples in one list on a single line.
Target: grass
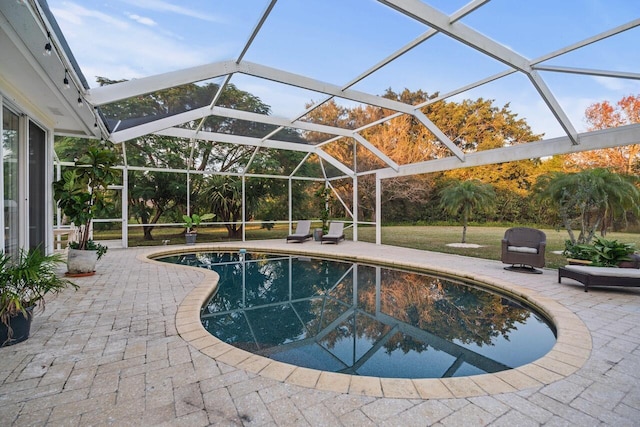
[(429, 238)]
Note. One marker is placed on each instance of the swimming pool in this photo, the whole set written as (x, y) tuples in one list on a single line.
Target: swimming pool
[(369, 320)]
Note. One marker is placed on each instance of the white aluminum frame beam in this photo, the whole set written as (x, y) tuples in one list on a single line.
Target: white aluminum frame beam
[(256, 29), (160, 124), (607, 138), (200, 113), (235, 139), (546, 57), (256, 142), (376, 152), (554, 106), (478, 41), (432, 17), (590, 40), (589, 72), (203, 112), (118, 91)]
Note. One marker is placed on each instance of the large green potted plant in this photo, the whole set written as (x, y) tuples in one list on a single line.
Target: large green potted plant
[(24, 283), (80, 195), (191, 223), (601, 253)]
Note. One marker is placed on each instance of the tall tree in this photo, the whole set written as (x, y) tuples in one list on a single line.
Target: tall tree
[(589, 199), (472, 125), (604, 115), (159, 195), (465, 197)]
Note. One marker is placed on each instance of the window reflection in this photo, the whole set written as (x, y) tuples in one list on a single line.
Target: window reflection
[(366, 320), (10, 141)]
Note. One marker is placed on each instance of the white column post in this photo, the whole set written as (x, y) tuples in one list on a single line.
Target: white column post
[(290, 205), (244, 209), (355, 192), (378, 210), (125, 203)]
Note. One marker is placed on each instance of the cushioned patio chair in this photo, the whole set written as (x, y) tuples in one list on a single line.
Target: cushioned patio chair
[(524, 248), (335, 233), (302, 232)]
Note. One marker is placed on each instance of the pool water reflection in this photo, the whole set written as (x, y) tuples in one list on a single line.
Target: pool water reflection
[(366, 320)]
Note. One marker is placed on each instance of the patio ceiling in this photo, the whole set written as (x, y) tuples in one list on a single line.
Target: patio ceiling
[(361, 63)]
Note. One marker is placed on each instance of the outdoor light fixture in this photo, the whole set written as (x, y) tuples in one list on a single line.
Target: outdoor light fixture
[(65, 81), (47, 46), (79, 100)]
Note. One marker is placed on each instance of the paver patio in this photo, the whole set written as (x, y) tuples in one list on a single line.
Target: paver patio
[(124, 350)]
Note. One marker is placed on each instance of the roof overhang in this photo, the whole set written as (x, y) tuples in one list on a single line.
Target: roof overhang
[(35, 81)]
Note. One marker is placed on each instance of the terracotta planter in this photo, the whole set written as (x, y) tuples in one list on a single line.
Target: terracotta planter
[(19, 325), (81, 262)]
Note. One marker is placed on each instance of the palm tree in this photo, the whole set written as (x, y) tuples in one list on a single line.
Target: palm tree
[(589, 199), (464, 197), (223, 196)]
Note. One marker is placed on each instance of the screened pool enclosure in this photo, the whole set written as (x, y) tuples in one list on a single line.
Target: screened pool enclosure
[(261, 75)]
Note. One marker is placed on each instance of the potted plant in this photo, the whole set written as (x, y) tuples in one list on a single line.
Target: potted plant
[(80, 195), (610, 253), (191, 223), (24, 283), (601, 253)]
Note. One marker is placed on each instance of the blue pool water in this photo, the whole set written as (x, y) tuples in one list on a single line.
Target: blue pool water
[(366, 320)]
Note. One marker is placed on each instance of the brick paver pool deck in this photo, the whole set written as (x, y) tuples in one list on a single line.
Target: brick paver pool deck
[(127, 349)]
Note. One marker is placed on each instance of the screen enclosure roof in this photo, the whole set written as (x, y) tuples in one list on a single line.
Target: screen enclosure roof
[(547, 60)]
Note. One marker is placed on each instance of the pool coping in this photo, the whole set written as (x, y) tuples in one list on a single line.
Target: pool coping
[(570, 352)]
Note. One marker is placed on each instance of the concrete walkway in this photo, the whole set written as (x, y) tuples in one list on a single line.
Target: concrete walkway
[(124, 350)]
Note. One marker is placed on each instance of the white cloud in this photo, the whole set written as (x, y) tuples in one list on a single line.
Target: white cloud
[(620, 86), (124, 47), (163, 6), (76, 15), (610, 83), (142, 20)]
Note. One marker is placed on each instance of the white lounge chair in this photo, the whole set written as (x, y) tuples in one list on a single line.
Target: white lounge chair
[(302, 232), (335, 233)]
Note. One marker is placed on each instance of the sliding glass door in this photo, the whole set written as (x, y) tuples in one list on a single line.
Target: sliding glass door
[(37, 186), (24, 183)]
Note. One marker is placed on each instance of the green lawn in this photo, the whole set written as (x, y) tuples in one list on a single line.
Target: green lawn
[(432, 238)]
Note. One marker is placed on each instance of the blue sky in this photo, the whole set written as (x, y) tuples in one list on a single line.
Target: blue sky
[(336, 40)]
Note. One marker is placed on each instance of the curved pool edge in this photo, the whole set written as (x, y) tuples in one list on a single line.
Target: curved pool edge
[(570, 352)]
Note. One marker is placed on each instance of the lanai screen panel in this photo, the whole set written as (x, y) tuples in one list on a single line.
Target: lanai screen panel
[(147, 108)]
